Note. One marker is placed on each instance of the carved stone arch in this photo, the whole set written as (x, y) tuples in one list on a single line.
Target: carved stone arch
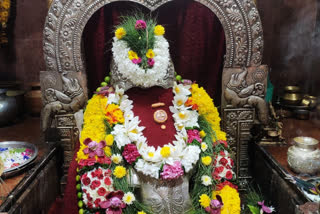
[(67, 18)]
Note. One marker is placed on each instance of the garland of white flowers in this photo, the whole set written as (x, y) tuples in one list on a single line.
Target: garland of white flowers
[(138, 75), (152, 160)]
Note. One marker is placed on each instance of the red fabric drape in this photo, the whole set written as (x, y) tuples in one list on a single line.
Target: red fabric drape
[(197, 48), (195, 35)]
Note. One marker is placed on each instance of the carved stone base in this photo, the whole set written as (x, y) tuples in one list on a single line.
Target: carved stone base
[(237, 124)]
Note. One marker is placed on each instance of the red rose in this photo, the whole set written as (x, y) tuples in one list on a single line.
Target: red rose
[(102, 191), (130, 153), (231, 162), (224, 143), (91, 161), (97, 201), (104, 160), (92, 187), (229, 175), (96, 183), (98, 173), (86, 181), (222, 153), (108, 172), (107, 181), (228, 166), (218, 170), (223, 161), (90, 205), (221, 185)]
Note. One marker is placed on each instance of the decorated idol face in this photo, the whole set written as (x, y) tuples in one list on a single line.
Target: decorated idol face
[(141, 55)]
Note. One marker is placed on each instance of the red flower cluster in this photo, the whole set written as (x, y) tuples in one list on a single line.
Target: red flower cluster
[(221, 185), (130, 153)]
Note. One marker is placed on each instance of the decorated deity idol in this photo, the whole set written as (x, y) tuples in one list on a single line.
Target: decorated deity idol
[(151, 142)]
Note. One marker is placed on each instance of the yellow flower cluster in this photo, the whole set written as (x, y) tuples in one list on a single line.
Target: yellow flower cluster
[(120, 33), (165, 151), (119, 171), (141, 212), (204, 200), (230, 198), (4, 10), (159, 30), (150, 54), (207, 109), (132, 55), (114, 114), (94, 125), (206, 160)]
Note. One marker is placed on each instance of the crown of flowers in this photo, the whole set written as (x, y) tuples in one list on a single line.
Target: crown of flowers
[(139, 34)]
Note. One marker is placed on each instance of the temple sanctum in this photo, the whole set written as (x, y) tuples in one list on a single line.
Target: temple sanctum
[(159, 106)]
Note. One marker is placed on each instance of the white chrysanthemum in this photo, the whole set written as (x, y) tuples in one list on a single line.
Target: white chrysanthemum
[(204, 147), (116, 96), (148, 169), (184, 116), (137, 75), (128, 198), (116, 158), (179, 100), (180, 89), (206, 180), (128, 132), (190, 157)]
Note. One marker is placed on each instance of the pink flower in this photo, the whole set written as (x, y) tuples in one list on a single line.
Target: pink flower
[(264, 208), (114, 203), (172, 171), (150, 62), (193, 134), (140, 24), (136, 61), (215, 206), (130, 153), (94, 148)]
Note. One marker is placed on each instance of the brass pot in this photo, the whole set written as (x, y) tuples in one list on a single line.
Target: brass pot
[(292, 98), (304, 155)]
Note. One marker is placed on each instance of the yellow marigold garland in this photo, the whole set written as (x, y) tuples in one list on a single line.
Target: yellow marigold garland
[(230, 198), (207, 109), (94, 124)]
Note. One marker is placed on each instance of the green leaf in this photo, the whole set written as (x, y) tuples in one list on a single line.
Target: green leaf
[(254, 209)]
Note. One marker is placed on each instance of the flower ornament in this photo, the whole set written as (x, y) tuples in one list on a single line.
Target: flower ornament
[(264, 208), (150, 54), (120, 172), (130, 153), (215, 206), (120, 33), (150, 62), (159, 30), (204, 200), (140, 25), (94, 148), (206, 180), (172, 171), (114, 203), (129, 198), (193, 134)]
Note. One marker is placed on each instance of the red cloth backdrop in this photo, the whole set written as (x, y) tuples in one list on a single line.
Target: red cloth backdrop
[(195, 35), (197, 48)]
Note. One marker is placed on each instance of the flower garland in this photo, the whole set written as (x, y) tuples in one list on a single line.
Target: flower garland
[(140, 51), (171, 157), (7, 13), (140, 76)]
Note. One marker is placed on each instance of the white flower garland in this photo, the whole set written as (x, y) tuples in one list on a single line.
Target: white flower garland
[(152, 160), (134, 72)]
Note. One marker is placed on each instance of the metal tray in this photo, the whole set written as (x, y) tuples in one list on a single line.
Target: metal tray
[(18, 144)]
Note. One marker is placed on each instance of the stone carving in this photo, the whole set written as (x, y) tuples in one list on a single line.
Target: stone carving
[(237, 124), (70, 99), (165, 197), (242, 92)]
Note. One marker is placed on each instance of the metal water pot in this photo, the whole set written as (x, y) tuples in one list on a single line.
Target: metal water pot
[(304, 155)]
